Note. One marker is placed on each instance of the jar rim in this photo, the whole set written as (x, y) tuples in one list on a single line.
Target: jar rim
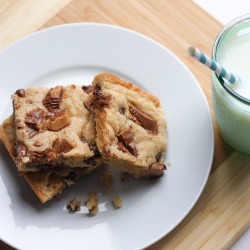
[(219, 38)]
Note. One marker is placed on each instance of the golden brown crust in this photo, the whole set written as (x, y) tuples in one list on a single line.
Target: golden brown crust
[(7, 136), (115, 80)]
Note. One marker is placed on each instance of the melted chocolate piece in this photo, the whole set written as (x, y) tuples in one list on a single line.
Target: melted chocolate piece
[(122, 147), (83, 139), (87, 89), (158, 157), (94, 148), (61, 146), (156, 170), (55, 114), (100, 101), (20, 93), (143, 120), (122, 110), (65, 146), (22, 150), (97, 91), (53, 98), (40, 156), (126, 137), (35, 118), (88, 105), (158, 166), (32, 133)]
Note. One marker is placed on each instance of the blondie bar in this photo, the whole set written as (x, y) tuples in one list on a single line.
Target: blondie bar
[(54, 128), (130, 125), (45, 183)]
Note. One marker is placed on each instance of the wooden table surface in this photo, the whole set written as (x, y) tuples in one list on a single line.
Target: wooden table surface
[(221, 214)]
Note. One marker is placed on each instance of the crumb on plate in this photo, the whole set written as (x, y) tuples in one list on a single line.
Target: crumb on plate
[(117, 201), (74, 205), (92, 204)]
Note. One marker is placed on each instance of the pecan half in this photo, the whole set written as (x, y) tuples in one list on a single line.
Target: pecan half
[(126, 137), (53, 98), (143, 120)]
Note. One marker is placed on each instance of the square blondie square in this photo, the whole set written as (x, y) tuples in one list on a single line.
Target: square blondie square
[(130, 125), (45, 183), (54, 128)]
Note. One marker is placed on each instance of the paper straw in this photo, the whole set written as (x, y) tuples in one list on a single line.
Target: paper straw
[(216, 67)]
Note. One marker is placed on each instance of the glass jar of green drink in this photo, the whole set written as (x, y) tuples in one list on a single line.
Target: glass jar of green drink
[(231, 102)]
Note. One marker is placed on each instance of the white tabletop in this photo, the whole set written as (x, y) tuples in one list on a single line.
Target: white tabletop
[(225, 11)]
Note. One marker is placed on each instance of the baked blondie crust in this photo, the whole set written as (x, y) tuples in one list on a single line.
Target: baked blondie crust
[(54, 128), (131, 127)]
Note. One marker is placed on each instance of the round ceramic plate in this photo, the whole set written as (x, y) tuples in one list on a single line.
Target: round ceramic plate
[(75, 53)]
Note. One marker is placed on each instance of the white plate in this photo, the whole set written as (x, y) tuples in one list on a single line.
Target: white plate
[(151, 209)]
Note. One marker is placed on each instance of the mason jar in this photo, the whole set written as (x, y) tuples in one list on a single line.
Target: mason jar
[(231, 102)]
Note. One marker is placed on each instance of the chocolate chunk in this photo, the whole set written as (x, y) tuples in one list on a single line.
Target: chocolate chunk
[(122, 110), (100, 101), (32, 133), (97, 91), (122, 147), (58, 120), (35, 118), (83, 139), (56, 145), (53, 98), (22, 150), (41, 156), (158, 166), (87, 89), (94, 148), (20, 92), (127, 137), (88, 105), (61, 146), (143, 119), (65, 146), (158, 157), (156, 170)]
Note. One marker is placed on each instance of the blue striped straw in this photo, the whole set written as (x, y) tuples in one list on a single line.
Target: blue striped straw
[(210, 63)]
